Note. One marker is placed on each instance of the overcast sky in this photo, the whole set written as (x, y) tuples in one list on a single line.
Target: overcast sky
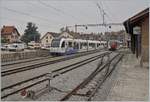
[(51, 15)]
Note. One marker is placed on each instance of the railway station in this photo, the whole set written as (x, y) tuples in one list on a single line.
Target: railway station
[(74, 50)]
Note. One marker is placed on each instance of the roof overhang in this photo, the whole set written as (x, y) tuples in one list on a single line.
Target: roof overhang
[(135, 20)]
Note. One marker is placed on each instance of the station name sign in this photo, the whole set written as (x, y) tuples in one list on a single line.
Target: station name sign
[(137, 30)]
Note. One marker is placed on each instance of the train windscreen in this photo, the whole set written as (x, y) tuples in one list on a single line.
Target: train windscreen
[(55, 43)]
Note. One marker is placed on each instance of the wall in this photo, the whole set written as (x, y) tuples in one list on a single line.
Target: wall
[(44, 40), (6, 57), (66, 35), (145, 39)]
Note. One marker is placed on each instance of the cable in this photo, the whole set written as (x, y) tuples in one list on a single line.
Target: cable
[(21, 21), (58, 10), (26, 14)]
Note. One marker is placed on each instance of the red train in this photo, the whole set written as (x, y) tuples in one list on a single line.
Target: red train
[(114, 45)]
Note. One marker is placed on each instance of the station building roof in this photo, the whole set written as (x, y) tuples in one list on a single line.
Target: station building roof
[(135, 20)]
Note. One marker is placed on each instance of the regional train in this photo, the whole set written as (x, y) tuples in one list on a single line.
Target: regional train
[(65, 46), (114, 45)]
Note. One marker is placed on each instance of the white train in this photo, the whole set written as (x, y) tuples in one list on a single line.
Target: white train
[(65, 46)]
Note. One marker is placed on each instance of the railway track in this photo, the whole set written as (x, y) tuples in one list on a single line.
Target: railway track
[(26, 60), (56, 73), (36, 59), (99, 84), (92, 76), (30, 60), (38, 65)]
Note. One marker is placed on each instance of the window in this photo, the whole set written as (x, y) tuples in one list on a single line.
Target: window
[(47, 37), (46, 40), (70, 44), (55, 43), (63, 44)]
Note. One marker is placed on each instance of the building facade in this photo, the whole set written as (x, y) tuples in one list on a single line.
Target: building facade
[(48, 37), (138, 27), (10, 34), (66, 35)]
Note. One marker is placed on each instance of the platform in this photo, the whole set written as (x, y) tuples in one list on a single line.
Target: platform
[(132, 81)]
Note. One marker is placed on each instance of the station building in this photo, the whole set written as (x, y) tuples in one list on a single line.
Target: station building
[(138, 28)]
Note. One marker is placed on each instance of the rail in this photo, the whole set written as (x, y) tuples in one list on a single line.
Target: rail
[(60, 71), (29, 60), (89, 78), (37, 65)]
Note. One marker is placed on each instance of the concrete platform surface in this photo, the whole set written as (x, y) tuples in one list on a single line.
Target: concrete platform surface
[(132, 82)]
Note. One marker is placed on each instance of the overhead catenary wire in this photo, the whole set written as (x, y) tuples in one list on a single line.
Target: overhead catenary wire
[(41, 18), (22, 21), (59, 10), (29, 15), (103, 13), (26, 14)]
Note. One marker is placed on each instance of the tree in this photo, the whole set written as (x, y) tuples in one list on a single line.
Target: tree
[(31, 33)]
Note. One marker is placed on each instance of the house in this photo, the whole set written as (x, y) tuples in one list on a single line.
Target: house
[(66, 35), (138, 27), (10, 34), (48, 37)]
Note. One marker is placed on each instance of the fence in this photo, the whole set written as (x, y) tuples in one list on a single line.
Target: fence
[(6, 57)]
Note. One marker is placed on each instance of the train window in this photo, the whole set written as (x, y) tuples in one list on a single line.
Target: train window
[(84, 44), (81, 45), (14, 46), (90, 44), (70, 44), (55, 43), (76, 46), (63, 44), (93, 45)]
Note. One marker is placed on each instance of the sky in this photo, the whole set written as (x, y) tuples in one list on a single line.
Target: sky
[(51, 15)]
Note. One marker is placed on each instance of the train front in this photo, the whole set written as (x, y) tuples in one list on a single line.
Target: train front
[(55, 48)]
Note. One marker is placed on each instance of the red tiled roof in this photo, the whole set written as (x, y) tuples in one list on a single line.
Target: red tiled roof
[(8, 30)]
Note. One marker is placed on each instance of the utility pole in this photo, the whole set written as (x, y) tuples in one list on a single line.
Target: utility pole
[(102, 13), (104, 18), (75, 28)]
